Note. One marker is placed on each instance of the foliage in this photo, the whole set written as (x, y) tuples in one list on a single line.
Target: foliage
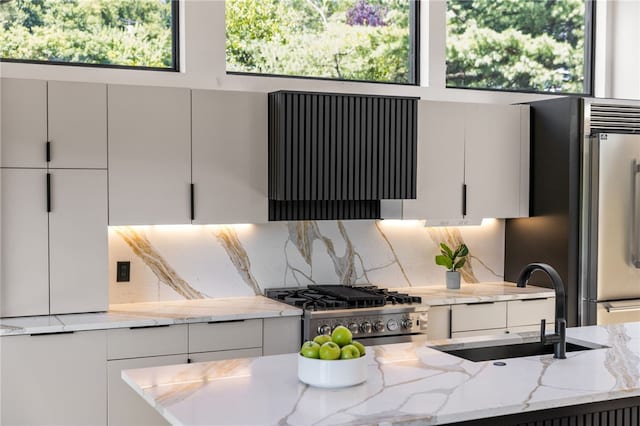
[(345, 39), (121, 32), (516, 44), (452, 260)]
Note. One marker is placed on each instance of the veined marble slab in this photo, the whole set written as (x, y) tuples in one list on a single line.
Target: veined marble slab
[(406, 383), (476, 292), (151, 313)]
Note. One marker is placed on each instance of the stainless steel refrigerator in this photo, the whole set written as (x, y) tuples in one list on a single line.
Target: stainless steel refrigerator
[(612, 222), (584, 206)]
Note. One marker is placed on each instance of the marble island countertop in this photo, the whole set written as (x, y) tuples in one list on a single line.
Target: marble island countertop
[(223, 309), (407, 384), (150, 314)]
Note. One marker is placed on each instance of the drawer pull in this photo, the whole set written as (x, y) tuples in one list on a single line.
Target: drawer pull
[(52, 333), (149, 326), (533, 300), (225, 321), (479, 303)]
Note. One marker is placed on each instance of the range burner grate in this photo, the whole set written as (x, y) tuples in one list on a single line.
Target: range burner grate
[(326, 297)]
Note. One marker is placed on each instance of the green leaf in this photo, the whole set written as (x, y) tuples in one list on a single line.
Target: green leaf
[(446, 250), (444, 261), (463, 250), (459, 264)]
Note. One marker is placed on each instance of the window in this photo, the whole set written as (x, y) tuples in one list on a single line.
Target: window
[(114, 33), (520, 45), (363, 40)]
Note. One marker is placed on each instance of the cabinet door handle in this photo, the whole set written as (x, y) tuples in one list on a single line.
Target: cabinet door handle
[(534, 299), (51, 334), (479, 303), (48, 151), (464, 199), (48, 192), (193, 203), (225, 321), (138, 327)]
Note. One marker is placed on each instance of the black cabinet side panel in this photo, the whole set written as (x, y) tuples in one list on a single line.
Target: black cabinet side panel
[(551, 233)]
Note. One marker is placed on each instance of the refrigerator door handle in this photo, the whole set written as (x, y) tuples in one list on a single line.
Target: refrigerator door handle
[(623, 308), (635, 255)]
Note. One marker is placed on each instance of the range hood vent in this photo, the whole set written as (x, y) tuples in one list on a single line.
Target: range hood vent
[(329, 152), (614, 118)]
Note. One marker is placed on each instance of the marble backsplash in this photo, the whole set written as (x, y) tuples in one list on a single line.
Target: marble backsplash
[(191, 262)]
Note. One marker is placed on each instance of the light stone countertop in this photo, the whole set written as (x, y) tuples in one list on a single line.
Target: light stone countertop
[(150, 314), (223, 309), (407, 384)]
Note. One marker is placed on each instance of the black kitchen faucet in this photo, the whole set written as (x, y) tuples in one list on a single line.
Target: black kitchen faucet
[(559, 337)]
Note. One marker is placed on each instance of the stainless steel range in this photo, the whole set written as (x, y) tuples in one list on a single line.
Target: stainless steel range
[(374, 315)]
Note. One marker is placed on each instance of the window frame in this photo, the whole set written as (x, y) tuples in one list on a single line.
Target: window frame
[(414, 57), (589, 61), (175, 51)]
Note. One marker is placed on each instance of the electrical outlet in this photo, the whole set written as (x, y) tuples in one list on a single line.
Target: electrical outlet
[(123, 270)]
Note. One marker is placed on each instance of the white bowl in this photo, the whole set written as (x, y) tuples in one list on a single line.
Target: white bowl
[(338, 373)]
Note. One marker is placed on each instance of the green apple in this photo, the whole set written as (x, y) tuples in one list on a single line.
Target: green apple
[(360, 347), (341, 336), (349, 352), (322, 339), (329, 351), (310, 349)]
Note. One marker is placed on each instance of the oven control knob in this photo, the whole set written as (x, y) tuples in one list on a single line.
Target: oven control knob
[(408, 323), (354, 328), (392, 325), (379, 326), (324, 329), (366, 327)]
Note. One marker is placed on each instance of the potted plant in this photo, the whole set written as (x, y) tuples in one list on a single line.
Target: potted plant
[(452, 260)]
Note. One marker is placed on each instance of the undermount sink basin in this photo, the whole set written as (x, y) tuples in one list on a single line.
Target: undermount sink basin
[(505, 351)]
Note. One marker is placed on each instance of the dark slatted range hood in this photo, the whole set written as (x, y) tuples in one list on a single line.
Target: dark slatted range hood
[(335, 156)]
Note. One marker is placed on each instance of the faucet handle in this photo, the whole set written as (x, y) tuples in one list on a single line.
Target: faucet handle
[(543, 330)]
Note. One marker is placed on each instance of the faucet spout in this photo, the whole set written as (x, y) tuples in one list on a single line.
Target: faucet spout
[(559, 337)]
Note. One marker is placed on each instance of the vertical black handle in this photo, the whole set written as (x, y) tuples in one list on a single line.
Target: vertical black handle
[(48, 151), (48, 192), (193, 209), (464, 199)]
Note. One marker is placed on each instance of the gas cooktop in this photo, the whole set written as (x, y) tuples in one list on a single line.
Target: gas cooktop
[(327, 297)]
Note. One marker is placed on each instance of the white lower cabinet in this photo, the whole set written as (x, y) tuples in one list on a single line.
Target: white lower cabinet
[(54, 379), (126, 407), (281, 335), (487, 318)]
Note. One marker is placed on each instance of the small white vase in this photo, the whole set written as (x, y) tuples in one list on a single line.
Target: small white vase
[(453, 280)]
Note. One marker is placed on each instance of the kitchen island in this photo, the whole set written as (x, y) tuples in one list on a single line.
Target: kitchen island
[(408, 383)]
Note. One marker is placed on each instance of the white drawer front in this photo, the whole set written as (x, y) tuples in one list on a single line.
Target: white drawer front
[(530, 312), (222, 336), (146, 341), (474, 333), (220, 355), (478, 316)]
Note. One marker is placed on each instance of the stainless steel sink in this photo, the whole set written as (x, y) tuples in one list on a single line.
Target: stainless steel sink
[(500, 350)]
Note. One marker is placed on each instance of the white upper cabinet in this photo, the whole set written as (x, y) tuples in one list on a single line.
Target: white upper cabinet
[(440, 173), (78, 241), (230, 157), (149, 155), (24, 123), (71, 116), (473, 163), (494, 171), (24, 273), (77, 125)]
